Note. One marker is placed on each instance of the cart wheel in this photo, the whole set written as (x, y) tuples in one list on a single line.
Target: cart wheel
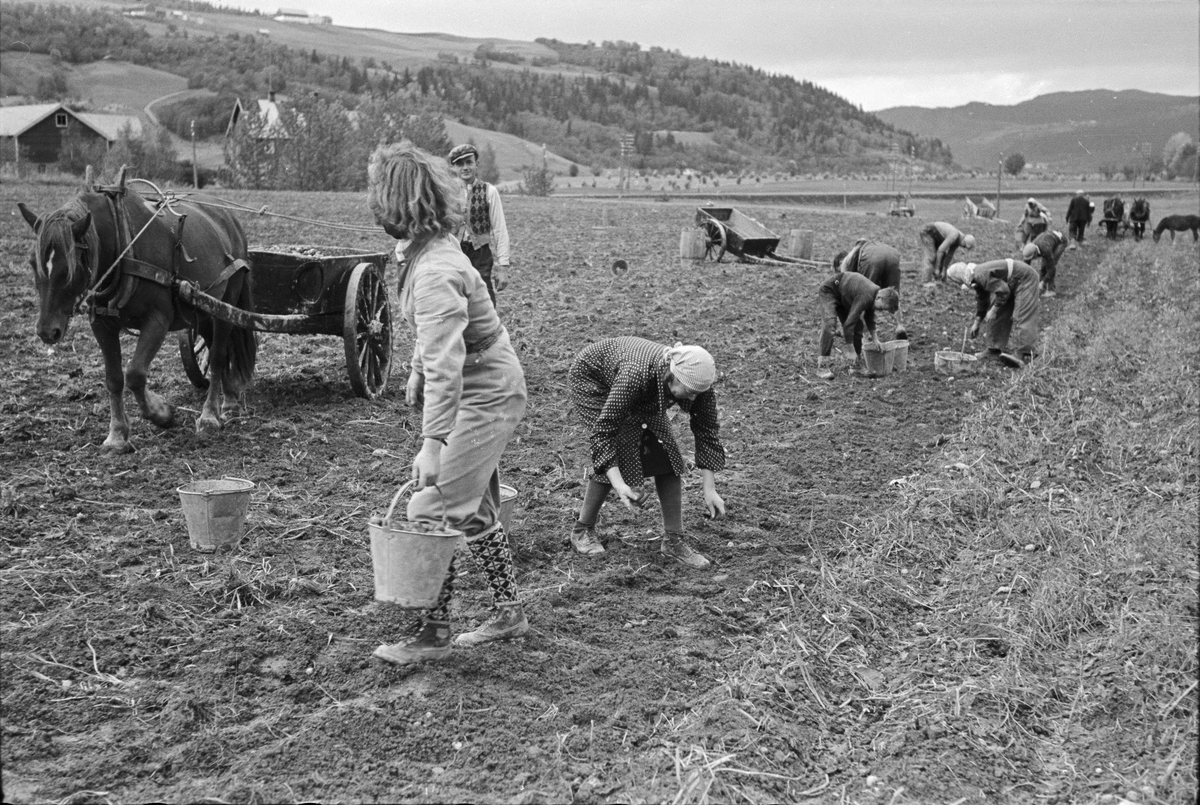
[(714, 241), (367, 332), (193, 353)]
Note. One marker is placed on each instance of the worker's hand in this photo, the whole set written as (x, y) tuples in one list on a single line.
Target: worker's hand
[(876, 342), (428, 464), (499, 277), (714, 506), (414, 392), (991, 316), (974, 332), (630, 498)]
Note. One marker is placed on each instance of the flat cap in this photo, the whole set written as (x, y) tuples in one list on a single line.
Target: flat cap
[(460, 152)]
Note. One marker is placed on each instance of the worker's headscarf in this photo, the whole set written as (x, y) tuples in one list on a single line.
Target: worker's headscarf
[(968, 242), (1029, 252), (692, 366), (962, 273)]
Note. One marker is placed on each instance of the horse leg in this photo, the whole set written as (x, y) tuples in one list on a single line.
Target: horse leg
[(218, 362), (152, 406), (108, 336)]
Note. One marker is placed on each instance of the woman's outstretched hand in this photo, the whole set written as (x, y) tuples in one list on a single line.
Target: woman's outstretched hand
[(428, 464), (714, 506)]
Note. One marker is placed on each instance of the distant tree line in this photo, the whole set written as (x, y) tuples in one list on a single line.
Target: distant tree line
[(757, 121)]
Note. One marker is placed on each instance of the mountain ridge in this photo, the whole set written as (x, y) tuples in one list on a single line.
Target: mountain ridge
[(1078, 131)]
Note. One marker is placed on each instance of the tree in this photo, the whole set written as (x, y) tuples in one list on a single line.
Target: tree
[(1179, 156), (488, 170), (538, 181), (1014, 163)]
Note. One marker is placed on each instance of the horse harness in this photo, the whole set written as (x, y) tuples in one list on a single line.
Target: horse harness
[(110, 292)]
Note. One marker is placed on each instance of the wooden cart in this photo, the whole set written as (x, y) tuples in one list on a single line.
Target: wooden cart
[(312, 290)]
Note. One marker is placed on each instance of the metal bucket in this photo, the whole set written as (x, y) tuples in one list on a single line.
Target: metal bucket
[(949, 362), (899, 352), (508, 502), (215, 511), (879, 361), (410, 559)]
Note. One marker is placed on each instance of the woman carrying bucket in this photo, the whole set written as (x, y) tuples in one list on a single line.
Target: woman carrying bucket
[(467, 374), (1007, 301), (622, 388)]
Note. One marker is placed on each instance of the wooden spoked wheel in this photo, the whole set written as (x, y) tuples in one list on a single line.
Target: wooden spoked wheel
[(367, 331), (193, 353), (715, 241)]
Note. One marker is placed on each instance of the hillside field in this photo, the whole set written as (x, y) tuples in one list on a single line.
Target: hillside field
[(972, 588)]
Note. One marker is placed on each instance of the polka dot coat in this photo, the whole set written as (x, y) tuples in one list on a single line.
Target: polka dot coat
[(618, 386)]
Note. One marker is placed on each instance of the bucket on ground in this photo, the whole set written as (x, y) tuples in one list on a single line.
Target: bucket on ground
[(879, 360), (410, 559), (691, 243), (508, 502), (951, 362), (800, 244), (215, 511), (899, 350)]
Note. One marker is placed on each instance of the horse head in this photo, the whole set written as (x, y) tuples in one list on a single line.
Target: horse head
[(63, 261)]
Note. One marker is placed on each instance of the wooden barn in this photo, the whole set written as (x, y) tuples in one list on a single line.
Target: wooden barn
[(36, 133)]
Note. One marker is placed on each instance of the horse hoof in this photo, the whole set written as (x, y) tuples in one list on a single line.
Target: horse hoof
[(119, 448), (165, 421), (207, 424)]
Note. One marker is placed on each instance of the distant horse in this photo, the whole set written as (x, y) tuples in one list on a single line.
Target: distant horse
[(1178, 223), (1139, 215), (119, 257), (1114, 216)]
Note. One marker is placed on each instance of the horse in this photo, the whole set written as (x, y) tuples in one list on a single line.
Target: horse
[(1139, 215), (1178, 223), (120, 257), (1114, 215)]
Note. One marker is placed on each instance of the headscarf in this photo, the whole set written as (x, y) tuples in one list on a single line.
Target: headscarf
[(1029, 252), (968, 242), (962, 272), (692, 366)]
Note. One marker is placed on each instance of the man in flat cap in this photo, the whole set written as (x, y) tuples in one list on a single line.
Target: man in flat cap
[(484, 234), (1079, 215)]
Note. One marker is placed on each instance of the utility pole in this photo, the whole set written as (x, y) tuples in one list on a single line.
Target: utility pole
[(195, 170), (999, 173)]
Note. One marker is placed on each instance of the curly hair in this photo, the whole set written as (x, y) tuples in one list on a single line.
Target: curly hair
[(412, 193)]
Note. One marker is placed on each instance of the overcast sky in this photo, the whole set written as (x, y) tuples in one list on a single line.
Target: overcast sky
[(874, 53)]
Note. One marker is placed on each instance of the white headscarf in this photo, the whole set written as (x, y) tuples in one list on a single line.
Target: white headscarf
[(692, 366), (962, 272)]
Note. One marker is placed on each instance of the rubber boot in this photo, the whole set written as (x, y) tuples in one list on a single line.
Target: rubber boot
[(825, 368)]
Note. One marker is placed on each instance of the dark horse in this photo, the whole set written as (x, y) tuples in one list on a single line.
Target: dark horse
[(1139, 214), (120, 257), (1178, 223)]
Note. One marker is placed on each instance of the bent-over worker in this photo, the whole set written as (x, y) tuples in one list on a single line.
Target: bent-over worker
[(1007, 303)]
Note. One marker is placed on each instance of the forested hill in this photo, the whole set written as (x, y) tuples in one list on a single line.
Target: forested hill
[(581, 102)]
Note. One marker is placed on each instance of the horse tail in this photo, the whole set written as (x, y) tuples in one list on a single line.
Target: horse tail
[(243, 344)]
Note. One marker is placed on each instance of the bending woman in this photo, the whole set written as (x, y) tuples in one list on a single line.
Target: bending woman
[(622, 388), (467, 374)]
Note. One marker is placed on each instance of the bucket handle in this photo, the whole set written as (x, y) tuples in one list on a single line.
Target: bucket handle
[(387, 518)]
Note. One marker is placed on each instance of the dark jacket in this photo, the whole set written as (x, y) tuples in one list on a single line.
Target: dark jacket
[(853, 297), (1079, 209)]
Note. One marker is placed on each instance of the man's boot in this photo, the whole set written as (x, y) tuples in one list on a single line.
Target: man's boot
[(825, 368)]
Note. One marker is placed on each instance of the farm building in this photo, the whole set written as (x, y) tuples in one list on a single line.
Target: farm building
[(301, 16), (37, 133), (267, 119)]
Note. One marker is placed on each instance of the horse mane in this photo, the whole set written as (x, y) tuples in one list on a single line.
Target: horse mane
[(59, 228)]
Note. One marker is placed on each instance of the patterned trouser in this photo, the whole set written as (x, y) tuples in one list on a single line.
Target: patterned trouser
[(491, 552)]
